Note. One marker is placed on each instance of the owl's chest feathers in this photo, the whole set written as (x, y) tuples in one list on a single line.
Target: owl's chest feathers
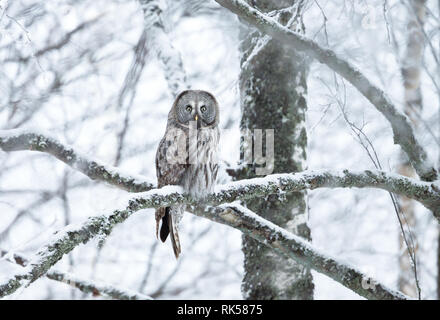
[(201, 173)]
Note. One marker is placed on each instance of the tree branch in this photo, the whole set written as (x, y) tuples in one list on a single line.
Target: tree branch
[(402, 129), (62, 243), (58, 45), (97, 288), (86, 286), (19, 139), (166, 53), (236, 216), (278, 184), (71, 236), (427, 193), (294, 247)]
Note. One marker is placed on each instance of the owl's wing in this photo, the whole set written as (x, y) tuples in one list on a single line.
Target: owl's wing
[(168, 173), (215, 165)]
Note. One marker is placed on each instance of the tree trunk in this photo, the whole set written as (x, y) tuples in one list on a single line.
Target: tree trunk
[(273, 96), (438, 241), (438, 265), (411, 69)]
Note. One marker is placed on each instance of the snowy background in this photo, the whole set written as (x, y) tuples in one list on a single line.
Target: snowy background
[(71, 88)]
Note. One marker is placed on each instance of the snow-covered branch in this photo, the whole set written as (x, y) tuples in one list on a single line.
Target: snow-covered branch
[(65, 240), (233, 215), (294, 247), (166, 52), (402, 129), (283, 242), (19, 139), (94, 288), (62, 243), (427, 193), (97, 288)]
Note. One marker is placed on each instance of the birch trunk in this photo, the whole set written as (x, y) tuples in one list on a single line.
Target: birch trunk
[(411, 70), (273, 96), (438, 241)]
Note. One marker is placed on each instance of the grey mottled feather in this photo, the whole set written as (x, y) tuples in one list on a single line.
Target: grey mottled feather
[(196, 177)]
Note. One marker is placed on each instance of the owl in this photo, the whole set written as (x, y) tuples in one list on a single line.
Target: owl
[(187, 156)]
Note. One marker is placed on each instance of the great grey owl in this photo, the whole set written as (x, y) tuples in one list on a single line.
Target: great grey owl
[(187, 155)]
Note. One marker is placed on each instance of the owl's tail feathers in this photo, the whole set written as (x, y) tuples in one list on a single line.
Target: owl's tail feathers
[(166, 228), (162, 215), (174, 237)]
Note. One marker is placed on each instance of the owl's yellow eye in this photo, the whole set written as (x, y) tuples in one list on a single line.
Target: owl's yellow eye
[(188, 108), (203, 108)]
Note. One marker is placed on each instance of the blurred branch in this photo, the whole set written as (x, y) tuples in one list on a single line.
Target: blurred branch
[(57, 45), (128, 90), (191, 8), (166, 52), (164, 284), (18, 139), (96, 288), (44, 197), (427, 193), (86, 286), (402, 129)]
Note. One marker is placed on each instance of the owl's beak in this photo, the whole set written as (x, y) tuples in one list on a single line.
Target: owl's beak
[(196, 117)]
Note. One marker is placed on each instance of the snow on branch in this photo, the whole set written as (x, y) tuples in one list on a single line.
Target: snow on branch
[(19, 139), (166, 52), (294, 247), (236, 216), (87, 286), (427, 193), (97, 288), (402, 129), (65, 240), (62, 243), (68, 238)]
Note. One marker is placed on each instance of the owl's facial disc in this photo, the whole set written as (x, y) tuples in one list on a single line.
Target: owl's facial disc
[(206, 109), (195, 105), (186, 109)]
